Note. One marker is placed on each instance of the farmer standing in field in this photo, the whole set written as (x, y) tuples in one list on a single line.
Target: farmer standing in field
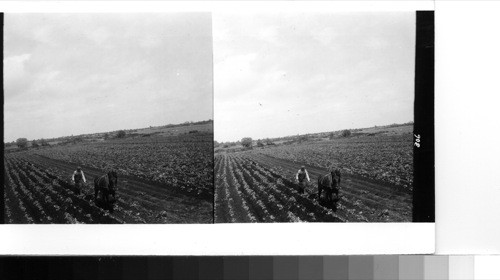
[(301, 177), (78, 177)]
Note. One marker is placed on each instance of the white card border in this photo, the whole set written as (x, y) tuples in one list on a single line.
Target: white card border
[(220, 239)]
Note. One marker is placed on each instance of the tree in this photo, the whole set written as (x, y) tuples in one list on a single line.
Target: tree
[(22, 143), (77, 139), (44, 142), (216, 144), (120, 134), (259, 143), (346, 133), (268, 141), (303, 138), (246, 142), (34, 144)]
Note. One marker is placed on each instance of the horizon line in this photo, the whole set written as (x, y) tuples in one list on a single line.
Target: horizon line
[(29, 140), (290, 135)]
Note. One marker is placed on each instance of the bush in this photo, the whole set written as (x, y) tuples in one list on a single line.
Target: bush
[(246, 142), (22, 143), (303, 138), (260, 144), (346, 133), (34, 144), (43, 142), (121, 134), (268, 142)]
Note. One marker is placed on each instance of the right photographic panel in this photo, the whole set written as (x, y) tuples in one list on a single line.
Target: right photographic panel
[(323, 117)]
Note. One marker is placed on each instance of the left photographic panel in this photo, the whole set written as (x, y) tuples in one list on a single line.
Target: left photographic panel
[(108, 118)]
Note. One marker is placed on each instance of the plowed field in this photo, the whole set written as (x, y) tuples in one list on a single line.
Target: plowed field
[(252, 187), (38, 189)]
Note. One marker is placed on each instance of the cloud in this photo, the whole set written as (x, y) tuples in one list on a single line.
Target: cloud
[(105, 72), (311, 72)]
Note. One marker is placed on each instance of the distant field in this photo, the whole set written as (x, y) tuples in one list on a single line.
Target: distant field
[(386, 158), (169, 131), (398, 130)]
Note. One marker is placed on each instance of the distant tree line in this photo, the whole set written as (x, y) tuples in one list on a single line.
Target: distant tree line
[(186, 123), (25, 143), (246, 142)]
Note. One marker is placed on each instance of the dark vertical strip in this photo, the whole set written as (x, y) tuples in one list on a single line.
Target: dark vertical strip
[(108, 267), (85, 268), (159, 268), (361, 268), (236, 268), (211, 268), (336, 267), (261, 268), (286, 268), (436, 267), (41, 268), (411, 267), (134, 268), (386, 267), (423, 146), (2, 187), (213, 121), (311, 268), (58, 268), (3, 268), (185, 268)]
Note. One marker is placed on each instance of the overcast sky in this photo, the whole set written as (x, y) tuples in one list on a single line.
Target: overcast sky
[(82, 73), (288, 74)]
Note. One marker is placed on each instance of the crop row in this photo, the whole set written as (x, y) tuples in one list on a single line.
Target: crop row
[(42, 198), (360, 199), (183, 164), (256, 195), (309, 203), (47, 199), (140, 201), (133, 205)]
